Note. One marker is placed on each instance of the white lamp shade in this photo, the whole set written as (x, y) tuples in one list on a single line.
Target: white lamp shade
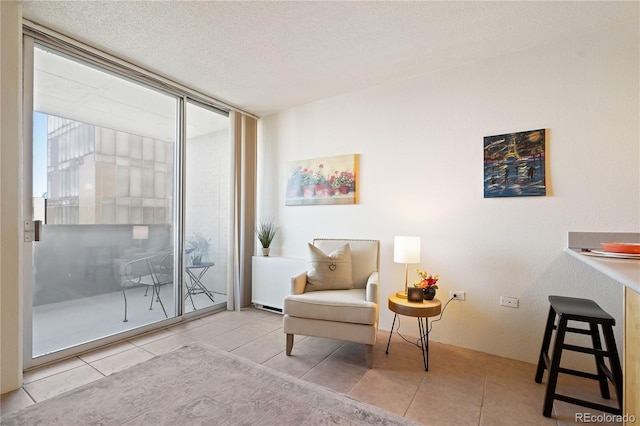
[(140, 232), (406, 249)]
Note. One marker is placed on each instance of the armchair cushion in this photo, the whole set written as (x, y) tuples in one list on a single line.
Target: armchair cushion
[(329, 272), (333, 305)]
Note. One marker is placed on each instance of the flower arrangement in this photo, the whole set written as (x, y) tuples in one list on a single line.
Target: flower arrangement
[(426, 280), (339, 179), (307, 177), (296, 177), (319, 177)]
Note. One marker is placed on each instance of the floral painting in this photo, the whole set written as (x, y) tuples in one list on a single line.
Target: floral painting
[(326, 180), (514, 164)]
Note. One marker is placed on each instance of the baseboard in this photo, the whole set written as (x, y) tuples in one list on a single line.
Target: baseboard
[(268, 308)]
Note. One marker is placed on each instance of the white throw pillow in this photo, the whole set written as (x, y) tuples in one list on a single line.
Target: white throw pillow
[(329, 272)]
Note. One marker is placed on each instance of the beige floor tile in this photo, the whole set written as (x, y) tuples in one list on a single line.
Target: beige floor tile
[(509, 398), (107, 351), (54, 385), (455, 384), (454, 356), (451, 392), (461, 387), (151, 337), (240, 336), (51, 369), (506, 416), (517, 379), (207, 332), (335, 374), (430, 408), (230, 320), (401, 347), (13, 401), (307, 353), (121, 361), (389, 384), (500, 367), (400, 368), (187, 325), (260, 313), (294, 365), (168, 344), (581, 388), (352, 353), (319, 345), (263, 348), (570, 414)]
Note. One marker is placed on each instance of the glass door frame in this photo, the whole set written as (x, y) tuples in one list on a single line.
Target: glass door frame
[(29, 42)]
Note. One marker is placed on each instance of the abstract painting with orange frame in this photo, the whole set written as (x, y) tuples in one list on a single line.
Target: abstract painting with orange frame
[(514, 165), (325, 180)]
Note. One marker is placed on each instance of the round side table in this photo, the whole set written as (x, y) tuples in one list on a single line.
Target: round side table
[(421, 311)]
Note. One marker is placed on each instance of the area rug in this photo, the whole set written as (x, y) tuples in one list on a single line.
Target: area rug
[(202, 385)]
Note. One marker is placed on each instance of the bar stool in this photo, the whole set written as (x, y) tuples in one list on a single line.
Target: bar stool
[(587, 311)]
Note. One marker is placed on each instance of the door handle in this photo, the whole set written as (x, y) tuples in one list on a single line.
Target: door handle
[(37, 225)]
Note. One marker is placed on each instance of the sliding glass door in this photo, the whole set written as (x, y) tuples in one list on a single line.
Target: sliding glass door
[(129, 181), (207, 207), (104, 208)]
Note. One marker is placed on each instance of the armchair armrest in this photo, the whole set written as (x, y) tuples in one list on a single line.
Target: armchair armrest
[(298, 283), (372, 289)]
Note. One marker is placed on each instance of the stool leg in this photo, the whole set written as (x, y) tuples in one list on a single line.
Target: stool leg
[(546, 340), (602, 378), (550, 393), (614, 361)]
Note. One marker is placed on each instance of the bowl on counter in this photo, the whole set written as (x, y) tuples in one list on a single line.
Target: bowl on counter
[(626, 248)]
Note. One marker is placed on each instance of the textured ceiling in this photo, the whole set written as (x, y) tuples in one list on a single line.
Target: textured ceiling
[(266, 56)]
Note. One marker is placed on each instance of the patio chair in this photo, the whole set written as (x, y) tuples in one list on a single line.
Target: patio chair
[(151, 271)]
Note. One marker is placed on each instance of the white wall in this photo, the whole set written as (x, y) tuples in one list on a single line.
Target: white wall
[(421, 173)]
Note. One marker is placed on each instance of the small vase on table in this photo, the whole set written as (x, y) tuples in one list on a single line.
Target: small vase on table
[(428, 293)]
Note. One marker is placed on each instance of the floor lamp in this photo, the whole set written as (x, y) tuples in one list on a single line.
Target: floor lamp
[(406, 250)]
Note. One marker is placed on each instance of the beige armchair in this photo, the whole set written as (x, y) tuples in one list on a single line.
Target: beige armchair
[(346, 314)]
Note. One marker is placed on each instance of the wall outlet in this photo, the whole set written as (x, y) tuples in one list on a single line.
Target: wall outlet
[(511, 302), (458, 295)]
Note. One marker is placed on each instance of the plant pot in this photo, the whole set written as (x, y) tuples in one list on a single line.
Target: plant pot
[(428, 293), (196, 260), (344, 189), (294, 191), (320, 190), (265, 251), (309, 191)]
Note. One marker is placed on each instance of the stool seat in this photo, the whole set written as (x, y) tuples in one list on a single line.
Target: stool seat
[(580, 309), (589, 312)]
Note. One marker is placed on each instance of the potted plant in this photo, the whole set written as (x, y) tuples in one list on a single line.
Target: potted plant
[(308, 183), (294, 185), (198, 248), (321, 182), (266, 231), (342, 182)]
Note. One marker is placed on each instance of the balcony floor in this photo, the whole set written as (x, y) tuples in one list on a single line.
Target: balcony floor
[(61, 325)]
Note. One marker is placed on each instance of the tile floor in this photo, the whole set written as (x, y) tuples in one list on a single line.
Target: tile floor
[(461, 387)]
